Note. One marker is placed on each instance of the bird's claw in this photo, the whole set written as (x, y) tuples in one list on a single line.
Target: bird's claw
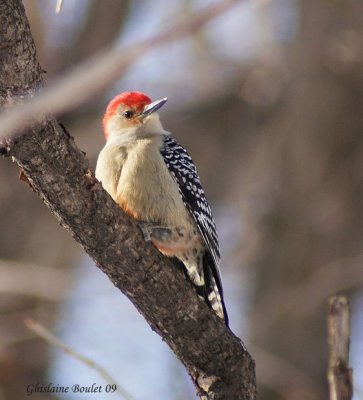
[(150, 230), (146, 231)]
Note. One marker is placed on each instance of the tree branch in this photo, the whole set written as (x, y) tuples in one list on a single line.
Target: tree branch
[(57, 170), (339, 374)]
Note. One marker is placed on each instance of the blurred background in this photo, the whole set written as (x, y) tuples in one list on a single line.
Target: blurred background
[(268, 99)]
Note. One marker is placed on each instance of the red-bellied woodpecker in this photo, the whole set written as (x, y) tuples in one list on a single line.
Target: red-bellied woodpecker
[(152, 178)]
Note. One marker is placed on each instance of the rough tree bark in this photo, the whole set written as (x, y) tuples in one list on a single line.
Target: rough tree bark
[(217, 361)]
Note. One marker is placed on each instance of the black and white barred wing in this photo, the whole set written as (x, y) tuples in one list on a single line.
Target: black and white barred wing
[(183, 170)]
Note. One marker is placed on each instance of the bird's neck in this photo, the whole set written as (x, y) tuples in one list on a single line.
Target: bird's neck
[(150, 129)]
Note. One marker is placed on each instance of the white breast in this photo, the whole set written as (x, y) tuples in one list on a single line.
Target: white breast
[(109, 166), (147, 187)]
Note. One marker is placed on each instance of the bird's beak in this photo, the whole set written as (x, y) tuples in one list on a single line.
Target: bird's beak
[(154, 106)]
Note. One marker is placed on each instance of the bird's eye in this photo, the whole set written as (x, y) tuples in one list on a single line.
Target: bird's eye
[(128, 114)]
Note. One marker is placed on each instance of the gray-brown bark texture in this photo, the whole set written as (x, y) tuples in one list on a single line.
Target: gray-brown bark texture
[(218, 363)]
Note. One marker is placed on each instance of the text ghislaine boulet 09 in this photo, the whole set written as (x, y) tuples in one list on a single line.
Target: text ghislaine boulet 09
[(75, 388)]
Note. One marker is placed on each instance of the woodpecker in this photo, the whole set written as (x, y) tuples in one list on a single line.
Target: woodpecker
[(153, 179)]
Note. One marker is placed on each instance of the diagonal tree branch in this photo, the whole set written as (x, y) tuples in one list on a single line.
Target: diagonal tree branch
[(217, 361)]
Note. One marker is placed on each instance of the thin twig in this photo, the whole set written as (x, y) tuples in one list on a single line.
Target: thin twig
[(339, 374), (58, 7), (44, 333), (94, 75)]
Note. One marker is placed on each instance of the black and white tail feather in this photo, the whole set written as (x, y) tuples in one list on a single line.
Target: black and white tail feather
[(184, 172)]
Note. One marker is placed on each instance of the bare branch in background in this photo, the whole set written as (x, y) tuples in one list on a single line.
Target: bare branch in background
[(96, 74), (45, 334), (340, 375), (58, 6)]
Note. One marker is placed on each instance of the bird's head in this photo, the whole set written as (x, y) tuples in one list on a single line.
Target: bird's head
[(132, 113)]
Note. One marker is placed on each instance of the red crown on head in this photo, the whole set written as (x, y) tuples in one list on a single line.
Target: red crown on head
[(130, 99)]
